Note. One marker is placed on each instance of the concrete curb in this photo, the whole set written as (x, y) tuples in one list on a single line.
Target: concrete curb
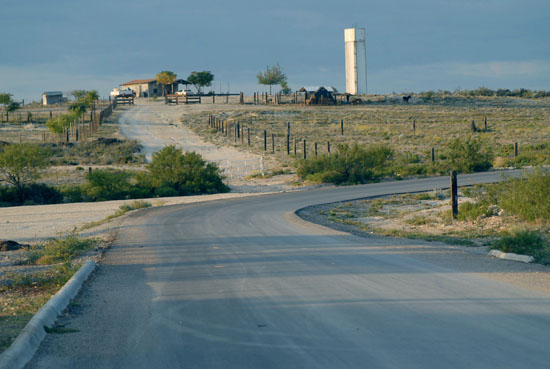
[(27, 342), (511, 256)]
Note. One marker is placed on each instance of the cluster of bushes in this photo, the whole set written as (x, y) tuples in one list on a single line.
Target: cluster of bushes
[(362, 164), (171, 173), (484, 91), (30, 194), (352, 165)]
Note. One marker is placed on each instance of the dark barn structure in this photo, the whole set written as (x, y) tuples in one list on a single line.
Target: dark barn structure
[(319, 95)]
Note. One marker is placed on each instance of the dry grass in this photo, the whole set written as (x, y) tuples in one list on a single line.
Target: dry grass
[(437, 123)]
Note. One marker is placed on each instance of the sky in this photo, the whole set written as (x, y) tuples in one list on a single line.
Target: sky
[(63, 45)]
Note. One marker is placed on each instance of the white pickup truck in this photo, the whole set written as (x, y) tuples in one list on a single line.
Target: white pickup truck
[(183, 92), (123, 92)]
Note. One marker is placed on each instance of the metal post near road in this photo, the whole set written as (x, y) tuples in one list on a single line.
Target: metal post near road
[(454, 194)]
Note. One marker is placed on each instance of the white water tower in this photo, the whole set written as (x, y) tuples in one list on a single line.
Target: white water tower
[(356, 61)]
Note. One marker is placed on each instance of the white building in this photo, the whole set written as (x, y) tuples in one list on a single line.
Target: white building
[(52, 97), (356, 61)]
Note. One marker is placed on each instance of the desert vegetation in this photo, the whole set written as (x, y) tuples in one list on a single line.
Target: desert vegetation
[(469, 134), (171, 173)]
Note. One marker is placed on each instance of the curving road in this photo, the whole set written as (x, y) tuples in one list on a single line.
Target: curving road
[(243, 284)]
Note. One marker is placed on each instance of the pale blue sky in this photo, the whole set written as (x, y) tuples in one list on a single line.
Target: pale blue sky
[(411, 45)]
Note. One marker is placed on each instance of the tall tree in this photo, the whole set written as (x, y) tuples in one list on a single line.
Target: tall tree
[(200, 79), (165, 78), (272, 76), (20, 164)]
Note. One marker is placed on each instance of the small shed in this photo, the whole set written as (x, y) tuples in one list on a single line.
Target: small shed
[(52, 97), (320, 95)]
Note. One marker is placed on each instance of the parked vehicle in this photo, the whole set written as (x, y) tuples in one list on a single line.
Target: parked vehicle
[(123, 92)]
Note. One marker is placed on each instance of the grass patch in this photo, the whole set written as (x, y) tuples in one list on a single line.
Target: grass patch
[(526, 197), (24, 295), (471, 211), (419, 220), (123, 209), (525, 242), (61, 250)]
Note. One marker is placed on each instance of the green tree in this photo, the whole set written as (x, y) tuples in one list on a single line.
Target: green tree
[(200, 79), (20, 164), (188, 174), (9, 105), (84, 101), (79, 94), (272, 76), (5, 98), (165, 78)]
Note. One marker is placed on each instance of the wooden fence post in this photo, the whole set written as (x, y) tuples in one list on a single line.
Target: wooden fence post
[(273, 143), (515, 149), (433, 154), (454, 194), (265, 140), (305, 149), (315, 149), (241, 98), (295, 146), (328, 148), (414, 125), (288, 144), (485, 124), (342, 126), (248, 129)]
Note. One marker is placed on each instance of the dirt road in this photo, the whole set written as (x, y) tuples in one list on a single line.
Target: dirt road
[(156, 125)]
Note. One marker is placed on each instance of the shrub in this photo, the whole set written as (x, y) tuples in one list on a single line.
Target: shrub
[(469, 155), (33, 194), (352, 165), (188, 174), (107, 184)]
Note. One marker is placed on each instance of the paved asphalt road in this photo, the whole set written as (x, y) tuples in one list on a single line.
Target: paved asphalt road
[(241, 284)]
